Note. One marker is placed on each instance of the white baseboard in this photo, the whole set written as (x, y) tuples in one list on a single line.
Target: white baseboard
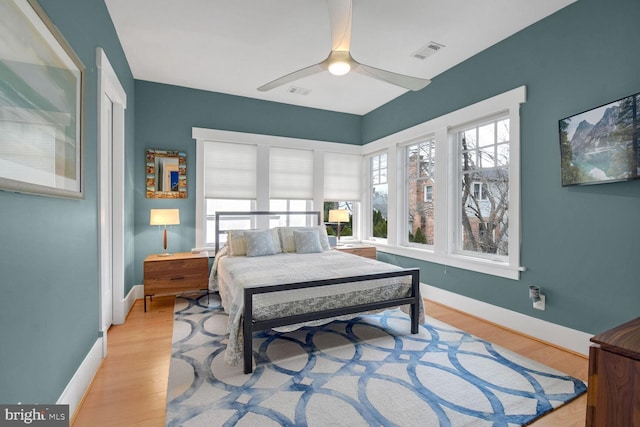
[(136, 292), (552, 333), (76, 388)]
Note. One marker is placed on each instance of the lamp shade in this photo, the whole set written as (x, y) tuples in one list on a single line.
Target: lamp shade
[(164, 217), (338, 215)]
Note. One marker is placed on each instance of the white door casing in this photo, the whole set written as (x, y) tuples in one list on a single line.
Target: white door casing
[(106, 228), (112, 101)]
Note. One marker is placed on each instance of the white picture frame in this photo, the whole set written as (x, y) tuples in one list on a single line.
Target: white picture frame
[(42, 84)]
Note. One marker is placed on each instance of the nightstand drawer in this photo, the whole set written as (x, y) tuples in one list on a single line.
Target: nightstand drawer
[(173, 285), (175, 269)]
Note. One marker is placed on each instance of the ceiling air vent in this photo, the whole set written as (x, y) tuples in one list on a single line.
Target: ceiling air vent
[(299, 90), (428, 50)]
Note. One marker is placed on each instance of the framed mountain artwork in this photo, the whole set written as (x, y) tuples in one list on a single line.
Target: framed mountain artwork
[(601, 145)]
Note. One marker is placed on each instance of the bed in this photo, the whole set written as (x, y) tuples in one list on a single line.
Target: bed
[(289, 282)]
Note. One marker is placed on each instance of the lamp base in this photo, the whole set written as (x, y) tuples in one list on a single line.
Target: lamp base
[(164, 254)]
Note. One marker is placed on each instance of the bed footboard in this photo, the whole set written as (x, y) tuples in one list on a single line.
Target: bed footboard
[(250, 325)]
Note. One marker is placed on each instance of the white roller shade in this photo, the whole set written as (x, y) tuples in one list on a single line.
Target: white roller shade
[(230, 170), (342, 177), (291, 174)]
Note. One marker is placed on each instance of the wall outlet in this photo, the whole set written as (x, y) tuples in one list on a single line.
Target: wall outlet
[(539, 305)]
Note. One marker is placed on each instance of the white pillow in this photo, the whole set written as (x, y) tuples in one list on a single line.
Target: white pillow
[(236, 243), (260, 243), (307, 241)]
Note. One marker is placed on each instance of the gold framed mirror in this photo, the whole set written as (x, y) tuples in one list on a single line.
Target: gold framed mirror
[(166, 176)]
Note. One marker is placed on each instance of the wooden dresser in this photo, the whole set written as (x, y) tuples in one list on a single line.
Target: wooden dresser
[(613, 396), (175, 274), (359, 249)]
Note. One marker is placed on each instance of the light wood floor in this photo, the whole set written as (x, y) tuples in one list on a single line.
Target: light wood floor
[(130, 387)]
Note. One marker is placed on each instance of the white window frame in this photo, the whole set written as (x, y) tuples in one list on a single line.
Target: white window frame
[(404, 182), (480, 192), (428, 195), (482, 195), (264, 142), (368, 170), (446, 175)]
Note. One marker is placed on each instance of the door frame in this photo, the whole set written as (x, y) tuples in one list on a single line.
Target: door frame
[(111, 192)]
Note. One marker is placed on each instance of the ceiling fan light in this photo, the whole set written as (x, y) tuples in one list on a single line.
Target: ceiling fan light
[(339, 63), (339, 68)]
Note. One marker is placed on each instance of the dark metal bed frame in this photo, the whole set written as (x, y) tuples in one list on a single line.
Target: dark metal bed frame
[(250, 325)]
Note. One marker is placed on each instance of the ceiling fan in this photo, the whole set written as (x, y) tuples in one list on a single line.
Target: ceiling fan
[(340, 61)]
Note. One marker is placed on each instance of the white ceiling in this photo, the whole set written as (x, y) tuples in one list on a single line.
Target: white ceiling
[(235, 46)]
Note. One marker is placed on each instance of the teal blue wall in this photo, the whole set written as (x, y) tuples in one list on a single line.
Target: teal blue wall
[(164, 118), (579, 244), (49, 246)]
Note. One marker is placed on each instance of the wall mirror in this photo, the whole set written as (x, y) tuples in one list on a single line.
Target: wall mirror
[(166, 176)]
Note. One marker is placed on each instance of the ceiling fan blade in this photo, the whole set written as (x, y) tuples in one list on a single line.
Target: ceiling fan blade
[(304, 72), (402, 80), (340, 15), (340, 12)]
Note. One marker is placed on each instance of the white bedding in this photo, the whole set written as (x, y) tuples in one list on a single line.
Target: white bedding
[(230, 275)]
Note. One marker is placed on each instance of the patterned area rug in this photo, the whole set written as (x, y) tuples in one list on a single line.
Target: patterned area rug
[(366, 372)]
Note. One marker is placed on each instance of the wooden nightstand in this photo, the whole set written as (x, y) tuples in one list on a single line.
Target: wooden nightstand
[(359, 249), (175, 274)]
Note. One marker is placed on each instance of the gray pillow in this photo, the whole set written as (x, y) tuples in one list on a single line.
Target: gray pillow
[(307, 242), (288, 244), (260, 243)]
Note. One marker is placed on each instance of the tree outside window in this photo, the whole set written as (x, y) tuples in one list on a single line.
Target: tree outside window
[(484, 159)]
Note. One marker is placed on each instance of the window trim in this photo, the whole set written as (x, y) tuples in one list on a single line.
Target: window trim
[(368, 201), (456, 152), (403, 237), (444, 252), (264, 142)]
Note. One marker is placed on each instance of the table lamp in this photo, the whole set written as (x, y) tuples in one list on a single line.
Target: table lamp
[(338, 215), (164, 217)]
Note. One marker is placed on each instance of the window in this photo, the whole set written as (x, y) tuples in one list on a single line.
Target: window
[(420, 182), (448, 190), (379, 195), (290, 184), (484, 194), (290, 174), (230, 185), (230, 170), (428, 193), (346, 228), (343, 190), (281, 205), (478, 191), (251, 172), (236, 223)]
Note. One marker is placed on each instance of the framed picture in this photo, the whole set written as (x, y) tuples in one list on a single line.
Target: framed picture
[(166, 174), (41, 105), (601, 145)]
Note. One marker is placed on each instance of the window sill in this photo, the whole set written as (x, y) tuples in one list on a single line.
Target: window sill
[(479, 265)]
